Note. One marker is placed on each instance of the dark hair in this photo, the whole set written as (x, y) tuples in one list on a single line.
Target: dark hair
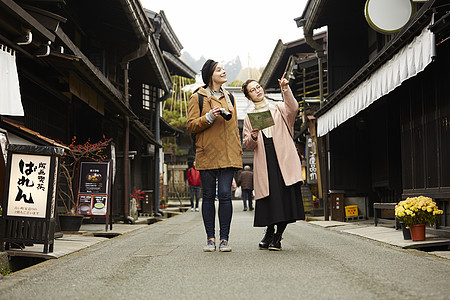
[(244, 88)]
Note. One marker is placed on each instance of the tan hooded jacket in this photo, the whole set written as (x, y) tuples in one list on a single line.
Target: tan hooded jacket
[(218, 144)]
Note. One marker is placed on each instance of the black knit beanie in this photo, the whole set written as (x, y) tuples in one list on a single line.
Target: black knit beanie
[(207, 70)]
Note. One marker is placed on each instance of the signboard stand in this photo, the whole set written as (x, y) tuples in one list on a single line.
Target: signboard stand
[(30, 196), (94, 190)]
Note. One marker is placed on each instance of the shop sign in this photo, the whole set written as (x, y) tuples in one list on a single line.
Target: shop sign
[(94, 186), (30, 194), (28, 186), (311, 161)]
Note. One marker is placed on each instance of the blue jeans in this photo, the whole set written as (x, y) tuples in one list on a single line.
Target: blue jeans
[(195, 192), (224, 178), (247, 195)]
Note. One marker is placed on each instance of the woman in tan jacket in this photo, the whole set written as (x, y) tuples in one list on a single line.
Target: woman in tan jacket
[(277, 166), (218, 149)]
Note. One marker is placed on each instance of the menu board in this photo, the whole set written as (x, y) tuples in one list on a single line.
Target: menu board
[(93, 192)]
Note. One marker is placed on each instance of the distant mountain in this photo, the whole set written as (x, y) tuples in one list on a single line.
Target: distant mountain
[(195, 65), (232, 67)]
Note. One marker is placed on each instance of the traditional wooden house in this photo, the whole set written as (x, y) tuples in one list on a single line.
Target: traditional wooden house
[(88, 71), (384, 127)]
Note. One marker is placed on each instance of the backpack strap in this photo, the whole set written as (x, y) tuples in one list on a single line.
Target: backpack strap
[(200, 102), (201, 97), (200, 106), (231, 98)]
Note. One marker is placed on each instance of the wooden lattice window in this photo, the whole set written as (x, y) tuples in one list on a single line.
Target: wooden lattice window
[(146, 96)]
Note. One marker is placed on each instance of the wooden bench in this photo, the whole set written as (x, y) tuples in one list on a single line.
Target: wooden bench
[(380, 206)]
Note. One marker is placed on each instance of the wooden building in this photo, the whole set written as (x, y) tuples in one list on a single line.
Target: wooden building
[(384, 127), (94, 69)]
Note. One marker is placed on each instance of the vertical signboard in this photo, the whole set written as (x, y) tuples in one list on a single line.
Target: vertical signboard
[(30, 194), (28, 187), (311, 160), (94, 189)]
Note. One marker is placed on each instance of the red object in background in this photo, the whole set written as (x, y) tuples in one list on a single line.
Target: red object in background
[(193, 177), (138, 195)]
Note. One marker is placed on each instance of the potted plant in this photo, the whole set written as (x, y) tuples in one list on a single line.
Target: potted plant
[(135, 202), (416, 213), (68, 171)]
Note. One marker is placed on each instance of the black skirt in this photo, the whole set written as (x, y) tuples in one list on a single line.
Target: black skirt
[(284, 203)]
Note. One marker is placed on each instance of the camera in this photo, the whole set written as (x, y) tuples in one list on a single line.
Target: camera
[(225, 114)]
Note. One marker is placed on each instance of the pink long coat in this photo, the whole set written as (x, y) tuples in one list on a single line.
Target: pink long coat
[(288, 158)]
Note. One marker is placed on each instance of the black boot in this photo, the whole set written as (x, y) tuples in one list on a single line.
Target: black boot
[(275, 245), (266, 240)]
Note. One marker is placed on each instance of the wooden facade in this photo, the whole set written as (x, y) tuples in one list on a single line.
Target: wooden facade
[(103, 74), (398, 146)]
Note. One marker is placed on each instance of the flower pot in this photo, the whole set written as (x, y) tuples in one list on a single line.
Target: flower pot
[(70, 223), (417, 232), (406, 231)]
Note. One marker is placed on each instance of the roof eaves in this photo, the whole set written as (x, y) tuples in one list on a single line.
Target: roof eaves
[(138, 18), (170, 35), (184, 68), (26, 18), (310, 15), (31, 134), (114, 93), (412, 28), (156, 58), (274, 60)]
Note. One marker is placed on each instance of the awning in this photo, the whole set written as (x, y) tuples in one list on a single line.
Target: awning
[(408, 62), (167, 130), (24, 135), (142, 130)]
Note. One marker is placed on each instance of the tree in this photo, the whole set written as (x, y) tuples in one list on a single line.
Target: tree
[(237, 83), (175, 113), (69, 166)]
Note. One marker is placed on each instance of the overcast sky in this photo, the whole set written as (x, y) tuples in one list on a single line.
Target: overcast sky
[(222, 30)]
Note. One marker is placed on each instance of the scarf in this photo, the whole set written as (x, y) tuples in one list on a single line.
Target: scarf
[(210, 92)]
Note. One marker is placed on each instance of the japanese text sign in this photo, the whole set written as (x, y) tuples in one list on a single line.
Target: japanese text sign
[(28, 186)]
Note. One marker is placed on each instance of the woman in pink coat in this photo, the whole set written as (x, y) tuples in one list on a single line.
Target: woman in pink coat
[(277, 167)]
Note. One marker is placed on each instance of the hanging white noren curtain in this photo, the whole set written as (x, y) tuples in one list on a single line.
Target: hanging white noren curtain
[(410, 60), (10, 100)]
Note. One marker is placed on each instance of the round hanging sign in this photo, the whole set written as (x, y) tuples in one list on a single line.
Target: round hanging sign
[(388, 16)]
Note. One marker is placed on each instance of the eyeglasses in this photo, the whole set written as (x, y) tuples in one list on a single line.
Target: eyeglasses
[(258, 87)]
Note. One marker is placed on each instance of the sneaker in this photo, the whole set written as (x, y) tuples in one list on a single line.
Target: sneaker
[(192, 209), (197, 209), (224, 247), (210, 246)]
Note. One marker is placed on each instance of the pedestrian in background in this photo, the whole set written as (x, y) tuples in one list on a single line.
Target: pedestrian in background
[(194, 180), (245, 181), (233, 185), (277, 167), (218, 149)]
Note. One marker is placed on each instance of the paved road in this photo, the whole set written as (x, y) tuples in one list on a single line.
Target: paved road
[(165, 261)]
